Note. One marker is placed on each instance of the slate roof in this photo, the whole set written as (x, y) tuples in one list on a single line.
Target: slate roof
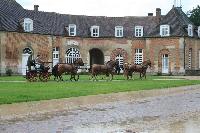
[(178, 22), (12, 13)]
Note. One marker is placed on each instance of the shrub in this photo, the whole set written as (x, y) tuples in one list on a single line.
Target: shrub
[(9, 72)]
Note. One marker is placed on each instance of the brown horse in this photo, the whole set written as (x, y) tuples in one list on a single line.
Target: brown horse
[(106, 69), (72, 69), (141, 68)]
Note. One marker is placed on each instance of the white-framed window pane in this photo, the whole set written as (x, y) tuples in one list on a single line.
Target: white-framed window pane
[(72, 54), (164, 30), (120, 60), (28, 25), (190, 30), (139, 31), (55, 52), (138, 56), (72, 30), (118, 31), (95, 31), (190, 58)]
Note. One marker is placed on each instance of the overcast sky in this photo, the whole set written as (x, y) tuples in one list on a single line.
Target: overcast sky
[(107, 7)]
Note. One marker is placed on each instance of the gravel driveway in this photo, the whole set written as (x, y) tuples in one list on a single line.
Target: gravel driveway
[(154, 111)]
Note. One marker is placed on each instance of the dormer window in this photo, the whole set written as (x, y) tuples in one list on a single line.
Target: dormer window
[(118, 31), (72, 30), (199, 31), (28, 25), (164, 30), (138, 31), (190, 30), (94, 31)]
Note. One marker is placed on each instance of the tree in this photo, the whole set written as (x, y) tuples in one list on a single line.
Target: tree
[(195, 16)]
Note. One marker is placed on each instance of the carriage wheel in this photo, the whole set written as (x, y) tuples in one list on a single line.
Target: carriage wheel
[(44, 76), (32, 76)]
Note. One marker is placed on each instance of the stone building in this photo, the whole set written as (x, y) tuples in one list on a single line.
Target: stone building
[(171, 41)]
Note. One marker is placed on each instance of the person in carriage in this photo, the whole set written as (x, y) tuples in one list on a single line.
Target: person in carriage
[(39, 63)]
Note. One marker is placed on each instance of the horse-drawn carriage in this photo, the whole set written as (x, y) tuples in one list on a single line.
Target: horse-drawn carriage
[(35, 72)]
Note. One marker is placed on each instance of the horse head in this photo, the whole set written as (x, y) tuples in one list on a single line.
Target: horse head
[(112, 63), (146, 63), (79, 62)]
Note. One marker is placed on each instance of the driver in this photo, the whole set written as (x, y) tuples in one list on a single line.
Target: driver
[(40, 62)]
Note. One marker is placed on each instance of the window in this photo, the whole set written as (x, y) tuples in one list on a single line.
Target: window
[(72, 30), (138, 56), (27, 51), (138, 31), (55, 53), (120, 60), (199, 31), (72, 54), (190, 58), (190, 30), (28, 25), (118, 31), (164, 30), (95, 31)]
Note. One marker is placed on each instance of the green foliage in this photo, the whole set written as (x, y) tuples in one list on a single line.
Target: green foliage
[(23, 91), (195, 16)]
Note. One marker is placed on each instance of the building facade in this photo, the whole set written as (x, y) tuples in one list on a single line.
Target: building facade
[(171, 41)]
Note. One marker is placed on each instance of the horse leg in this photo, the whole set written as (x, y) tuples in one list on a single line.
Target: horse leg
[(111, 76), (72, 77), (141, 75)]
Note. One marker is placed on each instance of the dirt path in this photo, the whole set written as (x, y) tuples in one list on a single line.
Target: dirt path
[(120, 112)]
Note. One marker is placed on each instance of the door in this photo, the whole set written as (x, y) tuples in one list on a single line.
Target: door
[(55, 55), (24, 62), (165, 63)]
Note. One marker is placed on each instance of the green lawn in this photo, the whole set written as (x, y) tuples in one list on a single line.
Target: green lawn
[(12, 92)]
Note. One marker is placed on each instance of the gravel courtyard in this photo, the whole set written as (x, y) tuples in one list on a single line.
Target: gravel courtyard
[(173, 110)]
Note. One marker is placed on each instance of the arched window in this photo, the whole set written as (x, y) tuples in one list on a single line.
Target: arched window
[(72, 54), (120, 60), (27, 51)]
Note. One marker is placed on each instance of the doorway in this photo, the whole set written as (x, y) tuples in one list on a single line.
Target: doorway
[(96, 56), (165, 63)]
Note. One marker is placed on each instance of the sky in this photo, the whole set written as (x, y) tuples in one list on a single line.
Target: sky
[(115, 8)]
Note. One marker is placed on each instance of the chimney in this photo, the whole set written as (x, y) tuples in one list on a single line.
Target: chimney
[(150, 14), (158, 14), (36, 7)]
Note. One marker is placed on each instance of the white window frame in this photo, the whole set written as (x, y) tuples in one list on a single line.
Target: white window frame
[(94, 31), (199, 31), (118, 31), (72, 30), (138, 56), (190, 58), (28, 25), (190, 30), (164, 30), (120, 60), (138, 31), (56, 53)]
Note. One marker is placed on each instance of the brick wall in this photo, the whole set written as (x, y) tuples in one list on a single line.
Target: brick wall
[(12, 45)]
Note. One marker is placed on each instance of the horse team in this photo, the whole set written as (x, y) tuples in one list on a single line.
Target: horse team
[(96, 69)]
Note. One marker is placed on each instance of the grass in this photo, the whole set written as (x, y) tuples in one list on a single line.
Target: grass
[(12, 92)]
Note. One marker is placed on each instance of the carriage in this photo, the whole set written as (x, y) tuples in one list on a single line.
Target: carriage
[(38, 72)]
